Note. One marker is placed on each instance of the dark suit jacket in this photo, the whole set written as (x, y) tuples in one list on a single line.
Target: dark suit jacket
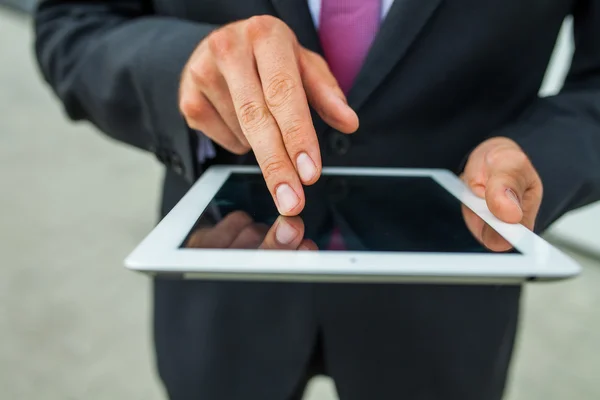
[(442, 76)]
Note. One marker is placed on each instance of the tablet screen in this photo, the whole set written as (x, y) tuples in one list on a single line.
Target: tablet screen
[(342, 212)]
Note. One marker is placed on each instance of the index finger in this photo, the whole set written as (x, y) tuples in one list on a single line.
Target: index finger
[(275, 51), (260, 128)]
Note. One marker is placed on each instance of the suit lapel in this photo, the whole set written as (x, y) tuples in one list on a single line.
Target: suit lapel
[(296, 14), (398, 31)]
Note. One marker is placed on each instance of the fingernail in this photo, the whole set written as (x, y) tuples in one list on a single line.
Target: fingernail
[(287, 199), (306, 167), (303, 247), (511, 195), (285, 233)]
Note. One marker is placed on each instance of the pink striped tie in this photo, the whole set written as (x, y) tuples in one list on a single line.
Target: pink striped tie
[(347, 29)]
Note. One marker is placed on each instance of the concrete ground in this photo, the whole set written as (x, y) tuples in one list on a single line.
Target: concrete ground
[(75, 325)]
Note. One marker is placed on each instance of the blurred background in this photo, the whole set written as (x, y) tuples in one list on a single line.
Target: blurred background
[(75, 325)]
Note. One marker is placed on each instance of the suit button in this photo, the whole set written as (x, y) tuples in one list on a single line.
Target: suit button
[(161, 155), (176, 164), (340, 143)]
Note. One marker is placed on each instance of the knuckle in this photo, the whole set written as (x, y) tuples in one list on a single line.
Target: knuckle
[(253, 115), (203, 73), (264, 26), (193, 110), (258, 26), (221, 42), (273, 166), (292, 133), (508, 156), (280, 89), (496, 156), (185, 106)]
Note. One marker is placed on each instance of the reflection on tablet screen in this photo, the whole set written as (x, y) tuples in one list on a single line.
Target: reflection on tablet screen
[(355, 213)]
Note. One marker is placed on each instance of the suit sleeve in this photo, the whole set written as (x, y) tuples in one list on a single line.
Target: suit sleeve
[(115, 64), (561, 133)]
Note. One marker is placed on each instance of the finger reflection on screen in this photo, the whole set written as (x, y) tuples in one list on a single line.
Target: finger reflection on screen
[(237, 230)]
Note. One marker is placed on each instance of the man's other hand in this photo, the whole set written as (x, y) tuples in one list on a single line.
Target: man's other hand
[(248, 85), (499, 171)]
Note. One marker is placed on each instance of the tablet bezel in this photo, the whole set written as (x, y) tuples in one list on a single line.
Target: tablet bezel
[(160, 252)]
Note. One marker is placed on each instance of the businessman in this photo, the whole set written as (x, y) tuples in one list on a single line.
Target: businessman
[(306, 83)]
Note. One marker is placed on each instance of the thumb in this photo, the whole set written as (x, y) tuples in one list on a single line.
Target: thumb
[(324, 94), (503, 196)]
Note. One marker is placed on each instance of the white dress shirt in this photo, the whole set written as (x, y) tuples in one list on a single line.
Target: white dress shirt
[(206, 149), (315, 9)]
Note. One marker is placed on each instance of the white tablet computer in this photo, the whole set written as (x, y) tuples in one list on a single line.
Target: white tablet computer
[(358, 225)]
